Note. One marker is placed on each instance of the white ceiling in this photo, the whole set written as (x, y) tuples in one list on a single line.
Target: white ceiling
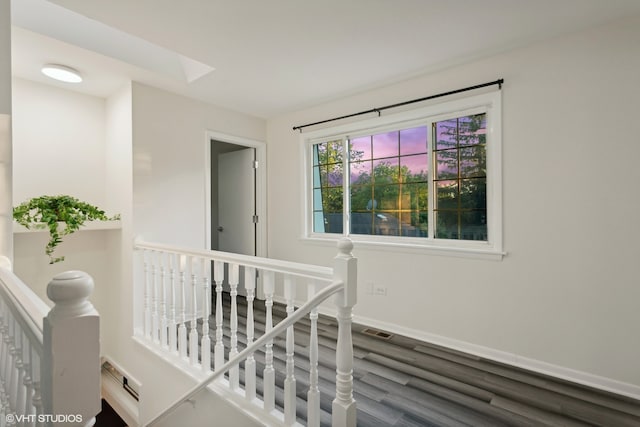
[(269, 57)]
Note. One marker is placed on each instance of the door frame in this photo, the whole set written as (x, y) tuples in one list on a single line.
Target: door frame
[(261, 186)]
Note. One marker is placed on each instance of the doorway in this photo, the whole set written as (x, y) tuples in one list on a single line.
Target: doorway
[(236, 196), (233, 198)]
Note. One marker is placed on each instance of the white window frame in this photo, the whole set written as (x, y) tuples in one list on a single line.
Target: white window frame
[(489, 103)]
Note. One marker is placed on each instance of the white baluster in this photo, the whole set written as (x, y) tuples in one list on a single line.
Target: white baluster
[(218, 274), (206, 313), (313, 395), (290, 379), (173, 324), (343, 408), (37, 397), (269, 373), (7, 366), (3, 346), (4, 355), (193, 333), (182, 329), (13, 351), (28, 381), (21, 340), (147, 294), (155, 316), (234, 373), (163, 302), (250, 362)]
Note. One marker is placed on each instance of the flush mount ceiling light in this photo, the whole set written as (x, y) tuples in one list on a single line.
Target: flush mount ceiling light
[(62, 73)]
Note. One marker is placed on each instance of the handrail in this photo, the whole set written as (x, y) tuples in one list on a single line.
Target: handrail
[(31, 308), (278, 266), (302, 311)]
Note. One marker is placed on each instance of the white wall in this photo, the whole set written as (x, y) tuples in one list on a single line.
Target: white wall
[(567, 292), (5, 57), (169, 162), (167, 204), (59, 143), (59, 148), (6, 241), (119, 178)]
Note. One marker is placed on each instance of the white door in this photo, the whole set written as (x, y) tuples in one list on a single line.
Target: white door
[(237, 202)]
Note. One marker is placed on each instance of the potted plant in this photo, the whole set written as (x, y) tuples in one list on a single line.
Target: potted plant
[(51, 212)]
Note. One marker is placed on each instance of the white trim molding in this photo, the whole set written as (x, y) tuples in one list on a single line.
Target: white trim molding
[(488, 103), (261, 185), (538, 366)]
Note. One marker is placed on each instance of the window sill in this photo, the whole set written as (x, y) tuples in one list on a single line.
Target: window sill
[(416, 248)]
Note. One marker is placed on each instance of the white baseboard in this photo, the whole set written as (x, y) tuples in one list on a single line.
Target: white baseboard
[(557, 371), (561, 372)]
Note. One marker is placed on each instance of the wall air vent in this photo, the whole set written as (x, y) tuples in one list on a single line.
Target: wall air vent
[(378, 334)]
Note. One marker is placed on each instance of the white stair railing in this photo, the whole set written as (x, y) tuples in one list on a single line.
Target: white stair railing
[(320, 283), (49, 358)]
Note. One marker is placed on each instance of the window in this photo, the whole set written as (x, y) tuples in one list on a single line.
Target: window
[(427, 178)]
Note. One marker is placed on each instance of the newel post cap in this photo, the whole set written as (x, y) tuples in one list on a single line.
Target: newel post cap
[(345, 246), (70, 292)]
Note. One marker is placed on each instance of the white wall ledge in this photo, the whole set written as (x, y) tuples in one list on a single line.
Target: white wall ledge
[(88, 226)]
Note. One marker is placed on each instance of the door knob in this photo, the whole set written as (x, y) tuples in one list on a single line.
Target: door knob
[(220, 228)]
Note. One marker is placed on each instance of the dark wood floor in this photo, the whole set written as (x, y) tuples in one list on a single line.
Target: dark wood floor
[(399, 381), (108, 417)]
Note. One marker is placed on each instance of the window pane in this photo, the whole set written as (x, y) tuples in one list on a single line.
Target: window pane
[(327, 152), (318, 222), (446, 134), (414, 224), (335, 151), (386, 145), (316, 176), (386, 224), (317, 199), (333, 223), (473, 161), (446, 224), (334, 174), (447, 195), (386, 171), (414, 196), (321, 151), (323, 176), (472, 129), (473, 225), (360, 172), (473, 193), (362, 222), (362, 198), (413, 141), (360, 148), (332, 199), (446, 164), (386, 196), (413, 168)]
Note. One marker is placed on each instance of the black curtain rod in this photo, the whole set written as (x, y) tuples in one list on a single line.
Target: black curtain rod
[(498, 82)]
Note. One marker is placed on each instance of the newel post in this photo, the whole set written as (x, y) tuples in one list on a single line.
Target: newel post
[(345, 269), (71, 352)]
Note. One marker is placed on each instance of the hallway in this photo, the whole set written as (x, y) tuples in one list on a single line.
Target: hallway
[(399, 381)]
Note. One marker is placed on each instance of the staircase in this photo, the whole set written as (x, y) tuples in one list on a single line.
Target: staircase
[(399, 381)]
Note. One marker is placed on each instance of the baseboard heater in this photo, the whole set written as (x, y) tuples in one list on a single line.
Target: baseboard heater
[(114, 373), (121, 391)]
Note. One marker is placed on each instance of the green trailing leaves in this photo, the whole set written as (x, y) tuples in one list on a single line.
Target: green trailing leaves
[(51, 212)]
